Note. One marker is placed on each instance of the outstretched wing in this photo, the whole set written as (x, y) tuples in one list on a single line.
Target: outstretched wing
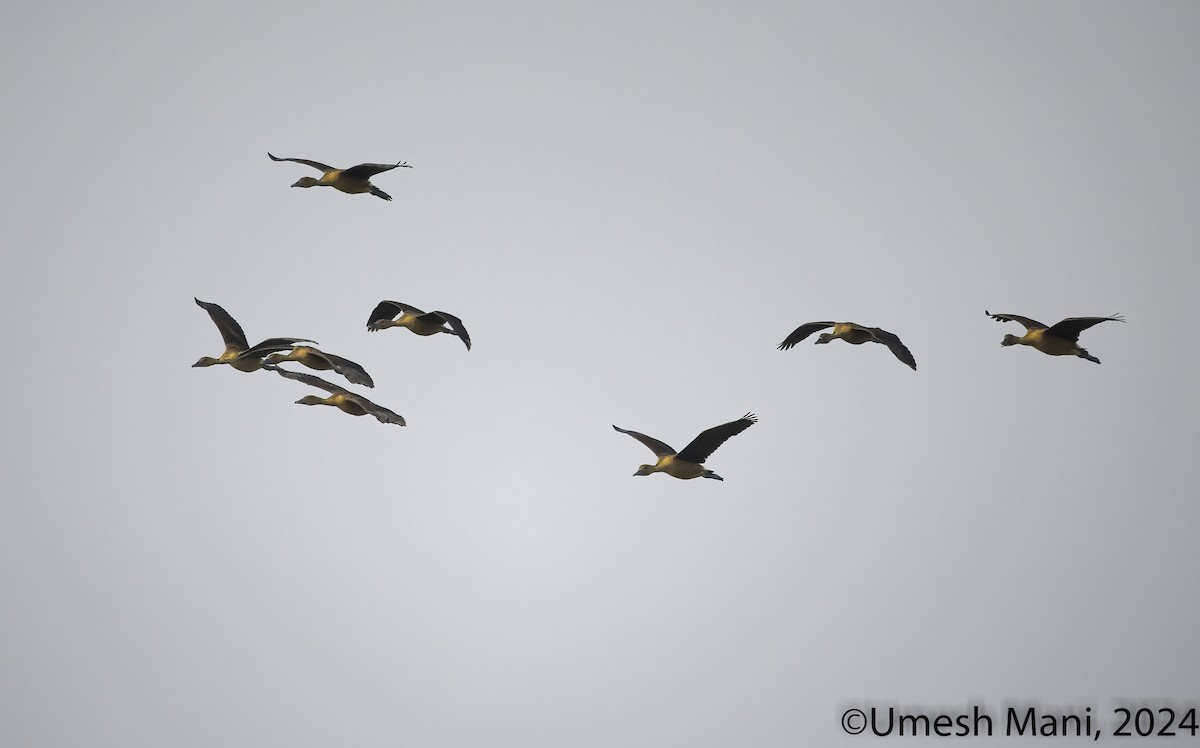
[(314, 164), (1070, 327), (382, 414), (708, 441), (366, 171), (272, 345), (1030, 324), (895, 346), (309, 379), (802, 332), (231, 331), (659, 448), (457, 326), (350, 370), (387, 310)]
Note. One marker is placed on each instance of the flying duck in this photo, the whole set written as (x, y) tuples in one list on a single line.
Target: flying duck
[(422, 323), (852, 333), (355, 180), (689, 462), (339, 397), (238, 353), (1060, 339)]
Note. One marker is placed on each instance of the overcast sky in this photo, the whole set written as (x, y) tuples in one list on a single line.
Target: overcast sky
[(629, 205)]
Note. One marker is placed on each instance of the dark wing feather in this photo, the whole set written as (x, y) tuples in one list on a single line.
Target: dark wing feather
[(802, 332), (366, 171), (1070, 327), (309, 379), (231, 331), (457, 326), (708, 441), (273, 345), (350, 370), (1030, 324), (657, 447), (382, 414), (895, 346), (387, 310), (314, 164)]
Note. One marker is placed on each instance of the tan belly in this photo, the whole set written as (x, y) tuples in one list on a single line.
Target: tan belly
[(349, 405), (1052, 346), (422, 326), (679, 468), (352, 186), (315, 362), (850, 334), (248, 364)]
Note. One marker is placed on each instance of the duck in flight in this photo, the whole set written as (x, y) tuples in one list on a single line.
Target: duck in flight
[(852, 333), (238, 352), (1059, 339), (339, 397), (322, 361), (354, 180), (422, 323), (689, 462)]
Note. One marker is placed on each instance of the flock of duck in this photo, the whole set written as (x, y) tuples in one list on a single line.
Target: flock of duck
[(272, 352), (1059, 339)]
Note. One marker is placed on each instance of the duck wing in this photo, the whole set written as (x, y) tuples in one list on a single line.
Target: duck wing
[(382, 414), (309, 379), (659, 448), (456, 325), (366, 171), (388, 310), (1030, 324), (802, 332), (707, 442), (353, 372), (273, 345), (231, 331), (1070, 327), (314, 164), (898, 349)]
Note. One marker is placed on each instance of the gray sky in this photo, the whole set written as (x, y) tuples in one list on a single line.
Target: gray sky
[(629, 205)]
